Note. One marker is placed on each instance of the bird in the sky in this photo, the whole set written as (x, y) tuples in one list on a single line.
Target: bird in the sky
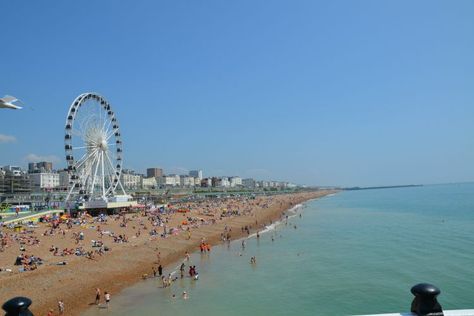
[(7, 103)]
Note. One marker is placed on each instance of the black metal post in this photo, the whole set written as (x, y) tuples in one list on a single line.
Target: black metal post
[(425, 302), (17, 306)]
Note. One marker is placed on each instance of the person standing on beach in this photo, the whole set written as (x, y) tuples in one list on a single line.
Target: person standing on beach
[(181, 269), (107, 298), (61, 307), (160, 270), (154, 272), (97, 296)]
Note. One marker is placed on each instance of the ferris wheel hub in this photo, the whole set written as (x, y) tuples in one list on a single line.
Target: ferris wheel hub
[(103, 145)]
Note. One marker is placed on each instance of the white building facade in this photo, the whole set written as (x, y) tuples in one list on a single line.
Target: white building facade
[(149, 183), (64, 179), (130, 181), (235, 182), (248, 183), (43, 181), (186, 181), (168, 181)]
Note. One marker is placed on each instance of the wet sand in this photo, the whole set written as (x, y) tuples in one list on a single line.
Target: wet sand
[(126, 263)]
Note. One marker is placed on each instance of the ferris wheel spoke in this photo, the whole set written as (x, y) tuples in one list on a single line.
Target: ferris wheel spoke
[(100, 112), (88, 138), (112, 168), (89, 156), (107, 122), (89, 166), (105, 129), (112, 132), (108, 132), (82, 147), (119, 183), (110, 172), (83, 157), (76, 132), (95, 176), (85, 173), (103, 174), (110, 161)]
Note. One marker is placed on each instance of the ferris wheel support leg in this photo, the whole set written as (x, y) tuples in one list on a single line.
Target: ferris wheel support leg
[(119, 182), (95, 177), (123, 190), (103, 175), (70, 191)]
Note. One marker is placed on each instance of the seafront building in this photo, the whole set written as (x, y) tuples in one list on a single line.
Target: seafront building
[(206, 182), (44, 181), (249, 183), (43, 166), (186, 181), (14, 170), (154, 172), (130, 180), (170, 180), (235, 182), (196, 174), (13, 180), (64, 179), (149, 183)]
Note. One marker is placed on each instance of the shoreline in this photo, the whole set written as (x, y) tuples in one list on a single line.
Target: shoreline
[(75, 283)]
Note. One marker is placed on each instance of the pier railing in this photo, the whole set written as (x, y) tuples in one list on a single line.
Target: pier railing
[(425, 303)]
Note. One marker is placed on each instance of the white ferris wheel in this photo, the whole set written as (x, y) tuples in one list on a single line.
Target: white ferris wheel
[(93, 148)]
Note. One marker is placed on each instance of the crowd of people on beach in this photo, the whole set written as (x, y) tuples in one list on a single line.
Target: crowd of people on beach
[(155, 221)]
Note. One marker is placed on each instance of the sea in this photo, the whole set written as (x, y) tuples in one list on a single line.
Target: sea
[(352, 253)]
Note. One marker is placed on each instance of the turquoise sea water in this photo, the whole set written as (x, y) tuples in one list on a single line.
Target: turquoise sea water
[(357, 252)]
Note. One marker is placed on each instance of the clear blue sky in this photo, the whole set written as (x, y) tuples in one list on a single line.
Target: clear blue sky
[(315, 92)]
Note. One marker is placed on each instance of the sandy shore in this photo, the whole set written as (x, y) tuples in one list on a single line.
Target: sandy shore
[(125, 264)]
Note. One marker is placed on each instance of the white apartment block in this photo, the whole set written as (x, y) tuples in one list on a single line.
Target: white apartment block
[(130, 180), (235, 182), (186, 181), (224, 182), (47, 180), (168, 181), (149, 183)]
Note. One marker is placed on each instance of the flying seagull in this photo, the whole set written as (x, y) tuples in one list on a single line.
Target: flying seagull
[(7, 103)]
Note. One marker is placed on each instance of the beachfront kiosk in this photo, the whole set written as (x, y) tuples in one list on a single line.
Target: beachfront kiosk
[(93, 150)]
